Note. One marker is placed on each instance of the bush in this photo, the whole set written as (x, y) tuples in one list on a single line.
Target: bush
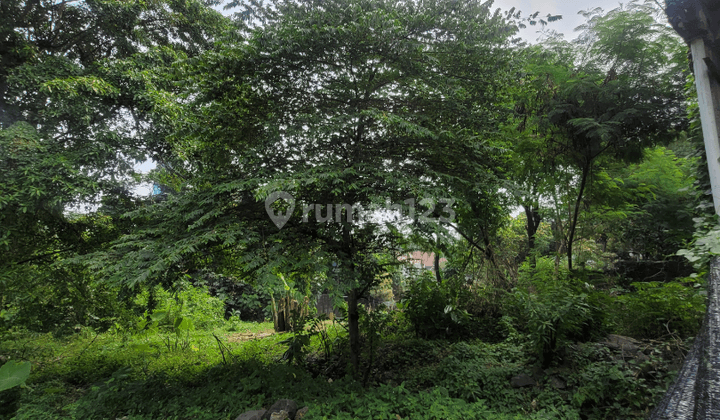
[(451, 309), (58, 300), (656, 309), (435, 309), (188, 302), (240, 299), (550, 306), (604, 386), (477, 372)]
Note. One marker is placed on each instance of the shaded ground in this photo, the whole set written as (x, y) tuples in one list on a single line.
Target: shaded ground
[(240, 337), (142, 378)]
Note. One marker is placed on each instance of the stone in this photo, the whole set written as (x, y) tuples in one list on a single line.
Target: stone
[(522, 380), (301, 413), (537, 374), (280, 415), (284, 404), (252, 415), (557, 383), (625, 344)]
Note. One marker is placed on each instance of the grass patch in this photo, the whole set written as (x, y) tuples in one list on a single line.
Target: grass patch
[(224, 372)]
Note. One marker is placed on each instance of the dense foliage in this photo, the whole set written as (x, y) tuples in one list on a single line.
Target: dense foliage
[(549, 189)]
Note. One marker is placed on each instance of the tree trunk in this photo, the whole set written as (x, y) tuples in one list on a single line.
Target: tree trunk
[(9, 114), (354, 330), (437, 268), (576, 213), (533, 223)]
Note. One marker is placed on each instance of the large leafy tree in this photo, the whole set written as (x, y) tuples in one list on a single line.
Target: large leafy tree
[(333, 102), (621, 93), (73, 101), (649, 206), (75, 83), (531, 172)]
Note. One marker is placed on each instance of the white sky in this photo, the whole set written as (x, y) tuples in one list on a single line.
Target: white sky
[(567, 8)]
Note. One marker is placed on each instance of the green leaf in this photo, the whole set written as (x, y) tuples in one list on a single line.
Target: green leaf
[(142, 348), (13, 374), (158, 316)]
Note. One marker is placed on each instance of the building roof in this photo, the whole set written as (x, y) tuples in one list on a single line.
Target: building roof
[(424, 259), (696, 18)]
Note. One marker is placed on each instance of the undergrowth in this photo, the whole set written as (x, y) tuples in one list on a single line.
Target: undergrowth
[(184, 361), (133, 377)]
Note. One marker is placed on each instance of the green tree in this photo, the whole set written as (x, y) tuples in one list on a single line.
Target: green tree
[(337, 102), (75, 113), (625, 94), (661, 199), (533, 174)]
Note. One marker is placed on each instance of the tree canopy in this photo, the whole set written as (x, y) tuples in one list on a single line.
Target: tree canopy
[(378, 127)]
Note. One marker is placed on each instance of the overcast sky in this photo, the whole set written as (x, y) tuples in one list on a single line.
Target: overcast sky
[(567, 8)]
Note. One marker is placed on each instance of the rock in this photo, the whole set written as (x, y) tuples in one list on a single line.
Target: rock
[(522, 380), (537, 374), (288, 405), (301, 413), (557, 383), (280, 415), (619, 342), (251, 415)]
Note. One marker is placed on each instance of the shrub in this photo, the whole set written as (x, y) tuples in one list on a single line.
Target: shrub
[(240, 299), (188, 302), (451, 309), (656, 309), (58, 300), (550, 306), (435, 309), (478, 372), (604, 386)]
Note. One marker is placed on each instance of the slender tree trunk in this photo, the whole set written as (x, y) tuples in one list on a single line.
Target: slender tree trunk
[(8, 114), (576, 213), (533, 223), (370, 362), (352, 299), (354, 330), (437, 268)]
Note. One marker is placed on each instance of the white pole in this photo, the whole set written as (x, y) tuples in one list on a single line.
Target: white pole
[(708, 91)]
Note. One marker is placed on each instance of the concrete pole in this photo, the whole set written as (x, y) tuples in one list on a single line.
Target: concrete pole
[(708, 90)]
